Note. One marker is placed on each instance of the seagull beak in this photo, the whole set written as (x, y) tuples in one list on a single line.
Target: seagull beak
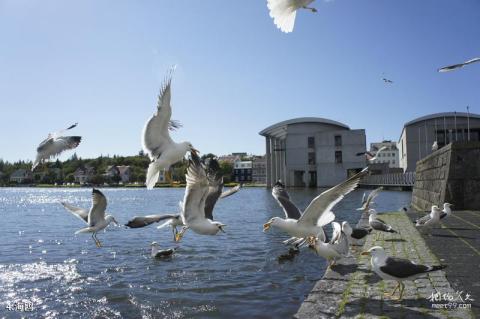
[(221, 228), (365, 253), (266, 226), (194, 151)]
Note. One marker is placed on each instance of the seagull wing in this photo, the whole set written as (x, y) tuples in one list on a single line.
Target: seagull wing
[(281, 195), (156, 137), (196, 190), (319, 211), (79, 212), (215, 187), (472, 61), (451, 67), (142, 221), (403, 268), (53, 146), (283, 13), (373, 194), (231, 191), (97, 211), (337, 231)]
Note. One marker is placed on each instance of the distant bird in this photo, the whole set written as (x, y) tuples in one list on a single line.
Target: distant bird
[(156, 140), (371, 157), (434, 146), (447, 211), (95, 217), (204, 185), (431, 219), (369, 201), (458, 66), (317, 214), (398, 269), (55, 144), (387, 81), (283, 12), (356, 236), (333, 250), (378, 224), (161, 253)]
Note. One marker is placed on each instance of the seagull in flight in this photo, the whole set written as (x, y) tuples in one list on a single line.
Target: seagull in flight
[(55, 144), (283, 12), (156, 140), (95, 217), (387, 81), (204, 188), (371, 157), (366, 202), (398, 269), (317, 214), (458, 66)]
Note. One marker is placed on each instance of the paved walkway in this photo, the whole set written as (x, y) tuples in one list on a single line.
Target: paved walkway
[(456, 243), (352, 290)]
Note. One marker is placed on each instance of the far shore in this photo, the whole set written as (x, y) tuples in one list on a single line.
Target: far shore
[(176, 185)]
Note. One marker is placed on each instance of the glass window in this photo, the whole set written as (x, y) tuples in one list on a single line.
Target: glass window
[(311, 158), (338, 140), (311, 142), (338, 157)]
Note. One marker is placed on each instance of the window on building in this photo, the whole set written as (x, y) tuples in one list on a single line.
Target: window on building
[(338, 140), (338, 157), (311, 158), (311, 142)]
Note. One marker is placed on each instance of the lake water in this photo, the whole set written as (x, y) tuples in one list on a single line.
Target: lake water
[(234, 275)]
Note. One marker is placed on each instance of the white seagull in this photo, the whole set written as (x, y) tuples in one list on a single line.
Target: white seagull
[(95, 217), (458, 66), (283, 12), (431, 219), (318, 213), (447, 211), (434, 146), (369, 200), (398, 269), (371, 157), (204, 188), (161, 253), (55, 144), (156, 140), (356, 236), (333, 250)]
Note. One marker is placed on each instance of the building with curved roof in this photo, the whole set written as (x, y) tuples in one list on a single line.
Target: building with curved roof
[(312, 151), (421, 136)]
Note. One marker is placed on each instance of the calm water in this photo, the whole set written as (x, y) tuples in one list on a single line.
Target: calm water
[(233, 275)]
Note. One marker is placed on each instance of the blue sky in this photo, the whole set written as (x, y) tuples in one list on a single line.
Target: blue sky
[(101, 63)]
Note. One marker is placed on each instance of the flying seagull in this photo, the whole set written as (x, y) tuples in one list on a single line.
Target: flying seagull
[(371, 157), (333, 250), (318, 213), (204, 188), (283, 12), (398, 269), (369, 200), (458, 66), (156, 140), (95, 217), (355, 235), (387, 81), (161, 253), (55, 144), (174, 220), (378, 224), (431, 219)]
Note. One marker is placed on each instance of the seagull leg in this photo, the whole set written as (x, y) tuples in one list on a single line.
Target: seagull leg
[(290, 240), (401, 291), (395, 289), (99, 244)]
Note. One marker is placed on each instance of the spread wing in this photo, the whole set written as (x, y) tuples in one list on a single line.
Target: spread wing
[(319, 211), (283, 199), (53, 146), (215, 187), (156, 137), (283, 13), (196, 190), (373, 194), (79, 212), (99, 205), (142, 221), (231, 191)]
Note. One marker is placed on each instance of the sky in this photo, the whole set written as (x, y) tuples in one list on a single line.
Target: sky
[(101, 64)]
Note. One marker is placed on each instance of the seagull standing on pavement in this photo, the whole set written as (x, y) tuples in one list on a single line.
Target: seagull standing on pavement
[(156, 140), (356, 236), (398, 269), (378, 224), (431, 219), (447, 211), (332, 250)]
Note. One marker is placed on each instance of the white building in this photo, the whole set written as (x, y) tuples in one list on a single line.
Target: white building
[(390, 155), (313, 152)]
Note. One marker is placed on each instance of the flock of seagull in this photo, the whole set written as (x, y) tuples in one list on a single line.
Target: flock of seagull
[(204, 187)]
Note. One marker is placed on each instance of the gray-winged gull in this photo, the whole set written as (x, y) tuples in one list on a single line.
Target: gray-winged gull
[(431, 219), (378, 224), (398, 269), (156, 140), (55, 144)]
